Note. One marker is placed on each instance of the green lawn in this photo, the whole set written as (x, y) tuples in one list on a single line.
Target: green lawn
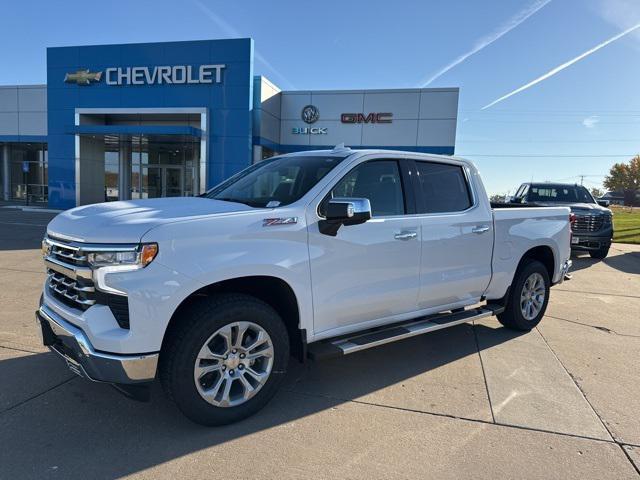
[(626, 224)]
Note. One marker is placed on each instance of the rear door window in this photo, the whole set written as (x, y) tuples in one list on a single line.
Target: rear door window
[(443, 187)]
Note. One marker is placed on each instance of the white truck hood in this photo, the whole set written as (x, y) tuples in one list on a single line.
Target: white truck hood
[(127, 221)]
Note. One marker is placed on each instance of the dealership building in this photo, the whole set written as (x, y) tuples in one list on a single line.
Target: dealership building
[(120, 122)]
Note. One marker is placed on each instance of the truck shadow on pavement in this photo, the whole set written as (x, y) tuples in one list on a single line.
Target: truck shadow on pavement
[(628, 262), (81, 429)]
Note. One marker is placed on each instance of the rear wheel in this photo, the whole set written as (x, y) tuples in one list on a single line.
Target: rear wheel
[(600, 253), (227, 360), (528, 297)]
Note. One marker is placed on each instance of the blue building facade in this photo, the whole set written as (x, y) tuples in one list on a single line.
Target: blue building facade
[(226, 105)]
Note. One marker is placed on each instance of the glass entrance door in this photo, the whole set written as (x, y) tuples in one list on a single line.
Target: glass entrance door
[(162, 181), (163, 166), (173, 185)]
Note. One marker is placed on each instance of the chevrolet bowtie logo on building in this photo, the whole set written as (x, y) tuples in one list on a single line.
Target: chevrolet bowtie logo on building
[(83, 77)]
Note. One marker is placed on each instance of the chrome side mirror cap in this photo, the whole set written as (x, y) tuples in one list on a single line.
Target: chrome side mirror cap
[(344, 211)]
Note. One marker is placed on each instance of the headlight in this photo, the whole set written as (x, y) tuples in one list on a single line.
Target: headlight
[(140, 256), (46, 248)]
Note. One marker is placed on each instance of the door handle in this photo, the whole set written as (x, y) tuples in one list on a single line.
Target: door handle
[(480, 229), (405, 235)]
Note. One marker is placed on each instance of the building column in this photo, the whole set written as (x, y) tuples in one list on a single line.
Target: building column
[(257, 154), (124, 167), (6, 179)]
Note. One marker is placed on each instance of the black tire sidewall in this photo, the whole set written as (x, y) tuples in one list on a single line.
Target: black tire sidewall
[(208, 316), (600, 253), (516, 319)]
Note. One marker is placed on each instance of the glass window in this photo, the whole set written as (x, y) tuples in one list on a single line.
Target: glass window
[(28, 171), (111, 173), (379, 181), (276, 181), (559, 193), (444, 187)]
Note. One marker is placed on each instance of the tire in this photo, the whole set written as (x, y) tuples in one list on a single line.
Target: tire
[(203, 333), (514, 317), (600, 253)]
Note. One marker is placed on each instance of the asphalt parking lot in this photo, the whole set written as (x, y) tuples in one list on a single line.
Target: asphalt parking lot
[(473, 401)]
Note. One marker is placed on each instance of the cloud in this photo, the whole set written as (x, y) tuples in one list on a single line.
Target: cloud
[(487, 40), (620, 13), (591, 122), (559, 68), (231, 32)]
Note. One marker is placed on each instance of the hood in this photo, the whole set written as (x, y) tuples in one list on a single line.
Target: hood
[(588, 208), (128, 221)]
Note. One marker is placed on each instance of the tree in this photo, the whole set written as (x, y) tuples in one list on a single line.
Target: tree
[(624, 176), (596, 192)]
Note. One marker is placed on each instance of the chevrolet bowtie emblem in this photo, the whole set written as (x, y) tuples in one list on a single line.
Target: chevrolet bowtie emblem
[(83, 77)]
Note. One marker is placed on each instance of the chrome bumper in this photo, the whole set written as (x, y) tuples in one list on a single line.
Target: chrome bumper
[(564, 274), (70, 343)]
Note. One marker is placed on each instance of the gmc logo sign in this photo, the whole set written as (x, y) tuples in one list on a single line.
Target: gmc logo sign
[(361, 118)]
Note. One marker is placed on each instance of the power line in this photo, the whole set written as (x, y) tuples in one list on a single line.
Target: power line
[(552, 141), (554, 122), (518, 155)]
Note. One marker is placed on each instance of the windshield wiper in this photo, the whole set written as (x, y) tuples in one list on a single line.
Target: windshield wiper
[(234, 200)]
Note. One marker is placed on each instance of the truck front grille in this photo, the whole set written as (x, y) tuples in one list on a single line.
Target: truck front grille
[(69, 254), (591, 223), (72, 292), (70, 281)]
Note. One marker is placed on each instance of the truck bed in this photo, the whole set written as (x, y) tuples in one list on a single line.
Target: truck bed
[(519, 228)]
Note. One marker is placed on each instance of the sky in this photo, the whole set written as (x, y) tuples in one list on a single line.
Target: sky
[(549, 89)]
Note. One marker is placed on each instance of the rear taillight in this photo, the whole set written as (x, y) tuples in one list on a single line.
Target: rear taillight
[(572, 221)]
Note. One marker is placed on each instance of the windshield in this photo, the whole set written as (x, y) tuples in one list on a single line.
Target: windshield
[(560, 194), (276, 181)]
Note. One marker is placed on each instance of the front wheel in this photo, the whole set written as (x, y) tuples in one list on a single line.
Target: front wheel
[(528, 297), (226, 360)]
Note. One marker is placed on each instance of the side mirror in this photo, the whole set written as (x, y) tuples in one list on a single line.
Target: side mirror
[(604, 203), (344, 211)]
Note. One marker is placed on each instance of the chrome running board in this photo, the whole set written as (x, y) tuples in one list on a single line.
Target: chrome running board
[(392, 333)]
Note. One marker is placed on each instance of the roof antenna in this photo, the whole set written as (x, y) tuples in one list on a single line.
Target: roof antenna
[(339, 147)]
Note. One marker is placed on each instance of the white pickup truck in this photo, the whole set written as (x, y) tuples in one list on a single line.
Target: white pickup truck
[(313, 254)]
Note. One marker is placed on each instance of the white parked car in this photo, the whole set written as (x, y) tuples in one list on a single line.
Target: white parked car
[(315, 254)]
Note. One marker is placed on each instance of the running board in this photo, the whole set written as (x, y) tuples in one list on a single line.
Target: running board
[(372, 338)]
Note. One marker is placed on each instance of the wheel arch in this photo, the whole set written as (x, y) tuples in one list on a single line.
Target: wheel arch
[(542, 253), (274, 291)]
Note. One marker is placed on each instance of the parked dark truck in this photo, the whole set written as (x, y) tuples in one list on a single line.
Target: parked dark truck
[(591, 224)]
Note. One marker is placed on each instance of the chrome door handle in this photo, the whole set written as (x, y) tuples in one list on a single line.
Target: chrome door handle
[(480, 229), (405, 235)]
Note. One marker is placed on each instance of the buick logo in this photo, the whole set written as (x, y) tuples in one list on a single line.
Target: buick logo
[(310, 114)]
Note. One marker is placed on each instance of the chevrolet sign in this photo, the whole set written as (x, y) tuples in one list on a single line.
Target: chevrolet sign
[(179, 74), (176, 75)]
